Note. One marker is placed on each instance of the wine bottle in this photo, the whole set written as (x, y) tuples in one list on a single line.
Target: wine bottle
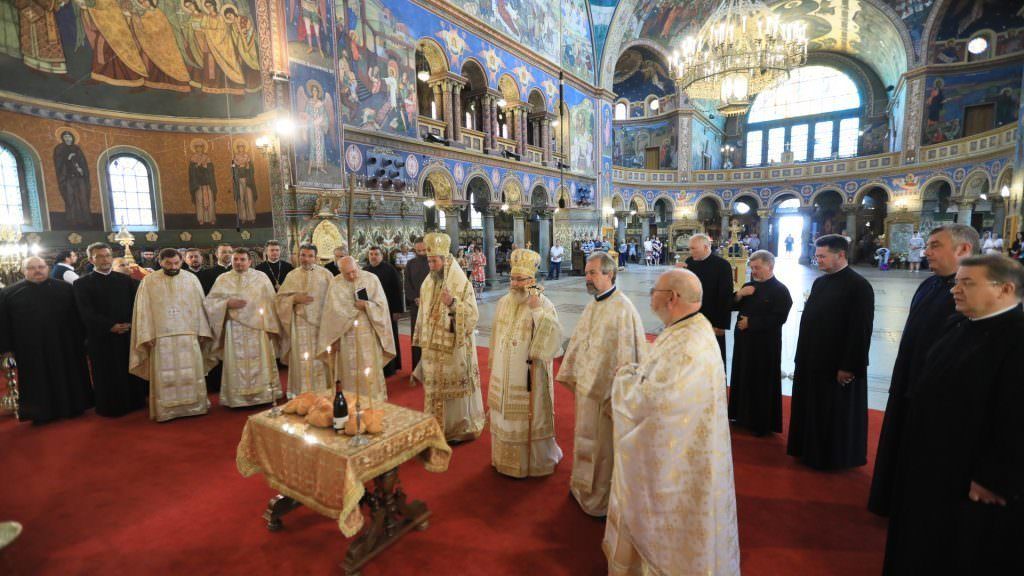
[(340, 409)]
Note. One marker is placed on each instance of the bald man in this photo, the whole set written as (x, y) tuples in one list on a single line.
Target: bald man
[(357, 328), (40, 324), (671, 403)]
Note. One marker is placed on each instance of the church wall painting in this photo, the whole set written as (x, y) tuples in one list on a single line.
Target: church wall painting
[(640, 73), (583, 121), (316, 142), (310, 32), (947, 96), (632, 141), (535, 24), (69, 194), (601, 12), (196, 58), (962, 20)]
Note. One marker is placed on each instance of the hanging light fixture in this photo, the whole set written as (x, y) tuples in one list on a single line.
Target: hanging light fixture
[(741, 50)]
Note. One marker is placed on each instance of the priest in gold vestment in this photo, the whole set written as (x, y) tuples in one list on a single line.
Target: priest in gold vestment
[(169, 327), (358, 331), (300, 304), (673, 502), (245, 328), (525, 339), (609, 335), (446, 319)]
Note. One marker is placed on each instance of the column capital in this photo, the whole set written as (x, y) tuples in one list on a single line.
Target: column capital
[(450, 209), (764, 213)]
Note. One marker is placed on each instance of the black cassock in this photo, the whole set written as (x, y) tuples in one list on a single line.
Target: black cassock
[(276, 271), (207, 278), (104, 300), (715, 275), (391, 281), (828, 425), (40, 324), (930, 308), (965, 426), (755, 393)]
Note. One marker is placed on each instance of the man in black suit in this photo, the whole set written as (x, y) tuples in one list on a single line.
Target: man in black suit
[(339, 253)]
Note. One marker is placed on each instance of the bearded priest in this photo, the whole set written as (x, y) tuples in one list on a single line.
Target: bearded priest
[(673, 502), (525, 340), (609, 335), (300, 304), (447, 316), (169, 328), (244, 322), (358, 331)]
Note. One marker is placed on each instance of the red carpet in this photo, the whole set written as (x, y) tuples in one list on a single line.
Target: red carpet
[(129, 496)]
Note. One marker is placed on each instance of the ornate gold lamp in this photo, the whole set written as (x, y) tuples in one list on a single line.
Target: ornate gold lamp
[(126, 240)]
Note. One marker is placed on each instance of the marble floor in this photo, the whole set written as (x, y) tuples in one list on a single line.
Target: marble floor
[(893, 290)]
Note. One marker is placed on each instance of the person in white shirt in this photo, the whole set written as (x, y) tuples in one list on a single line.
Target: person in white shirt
[(64, 266), (993, 244), (648, 251), (556, 253)]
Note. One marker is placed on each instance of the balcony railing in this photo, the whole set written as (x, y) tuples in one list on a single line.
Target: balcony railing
[(473, 139), (507, 144), (534, 155), (431, 126)]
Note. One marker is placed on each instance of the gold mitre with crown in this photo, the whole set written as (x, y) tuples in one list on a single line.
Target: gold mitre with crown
[(525, 262), (438, 244)]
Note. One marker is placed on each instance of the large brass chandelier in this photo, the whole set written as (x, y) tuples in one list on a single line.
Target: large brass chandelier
[(742, 49)]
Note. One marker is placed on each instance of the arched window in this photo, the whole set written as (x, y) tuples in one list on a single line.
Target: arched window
[(130, 183), (815, 114), (621, 110), (12, 209)]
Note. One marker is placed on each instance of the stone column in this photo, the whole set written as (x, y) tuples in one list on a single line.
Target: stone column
[(999, 216), (620, 230), (485, 116), (446, 92), (726, 215), (965, 212), (851, 226), (457, 113), (495, 127), (492, 273), (521, 128), (452, 215), (438, 102), (519, 230), (545, 139), (765, 230), (645, 227), (544, 239), (805, 235)]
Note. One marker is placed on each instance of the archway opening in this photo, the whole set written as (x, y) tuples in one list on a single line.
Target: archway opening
[(827, 216), (744, 213), (709, 215), (787, 229), (870, 222)]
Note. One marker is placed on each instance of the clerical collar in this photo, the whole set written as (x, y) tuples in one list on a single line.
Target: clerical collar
[(98, 271), (695, 259), (226, 267), (604, 295), (272, 262), (687, 317), (994, 314), (196, 270)]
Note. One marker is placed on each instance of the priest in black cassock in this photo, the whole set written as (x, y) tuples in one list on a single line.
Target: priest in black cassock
[(828, 426), (755, 391), (206, 279), (39, 323), (391, 281), (339, 253), (275, 268), (209, 276), (715, 275), (416, 271), (930, 308), (193, 262), (105, 300), (960, 487)]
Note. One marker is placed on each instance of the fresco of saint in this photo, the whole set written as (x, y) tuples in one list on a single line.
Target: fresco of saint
[(202, 183), (243, 177), (73, 179)]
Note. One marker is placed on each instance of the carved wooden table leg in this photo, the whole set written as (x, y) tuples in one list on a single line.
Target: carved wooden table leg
[(277, 507), (391, 516)]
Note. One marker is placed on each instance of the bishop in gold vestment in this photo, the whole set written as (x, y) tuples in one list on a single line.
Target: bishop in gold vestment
[(300, 304), (245, 327), (673, 501), (445, 324), (525, 339), (168, 327), (358, 331), (609, 335)]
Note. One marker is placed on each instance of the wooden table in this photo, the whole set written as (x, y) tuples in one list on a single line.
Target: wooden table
[(318, 468)]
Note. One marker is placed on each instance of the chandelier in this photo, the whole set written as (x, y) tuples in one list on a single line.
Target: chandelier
[(741, 50), (12, 249)]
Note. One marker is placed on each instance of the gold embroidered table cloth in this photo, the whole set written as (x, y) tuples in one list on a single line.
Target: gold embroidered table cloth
[(320, 469)]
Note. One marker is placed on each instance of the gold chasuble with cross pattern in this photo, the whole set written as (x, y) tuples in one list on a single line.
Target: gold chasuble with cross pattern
[(300, 327), (168, 326)]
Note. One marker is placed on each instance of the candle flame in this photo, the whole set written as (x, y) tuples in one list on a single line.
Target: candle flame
[(366, 372), (328, 349), (305, 355), (261, 311)]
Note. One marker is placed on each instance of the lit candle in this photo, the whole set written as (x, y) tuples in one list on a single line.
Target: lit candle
[(309, 371)]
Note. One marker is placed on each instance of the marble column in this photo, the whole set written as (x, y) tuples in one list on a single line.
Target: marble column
[(485, 116), (765, 230), (457, 120), (521, 128), (545, 139), (726, 215), (999, 218), (544, 239), (805, 236), (519, 230), (446, 93), (495, 127), (645, 227), (492, 273), (966, 210), (851, 225), (620, 230), (452, 216), (438, 102)]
